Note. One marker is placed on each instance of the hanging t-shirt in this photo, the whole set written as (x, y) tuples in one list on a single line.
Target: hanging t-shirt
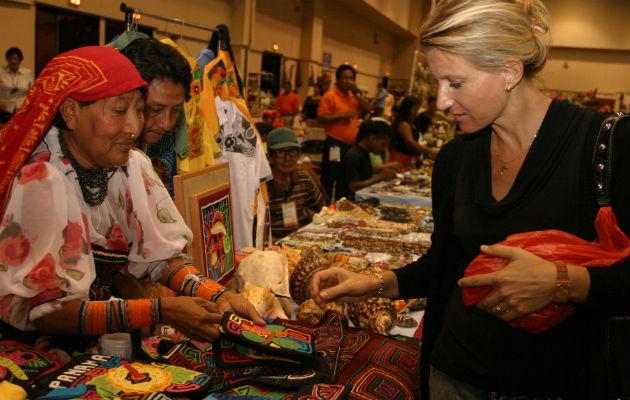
[(242, 148), (227, 116)]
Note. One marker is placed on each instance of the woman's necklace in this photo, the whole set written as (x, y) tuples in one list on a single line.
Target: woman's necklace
[(93, 182), (504, 164)]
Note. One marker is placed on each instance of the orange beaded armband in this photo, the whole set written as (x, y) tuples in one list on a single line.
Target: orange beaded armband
[(187, 280), (100, 317)]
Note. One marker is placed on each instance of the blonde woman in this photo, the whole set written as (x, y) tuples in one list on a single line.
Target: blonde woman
[(524, 164)]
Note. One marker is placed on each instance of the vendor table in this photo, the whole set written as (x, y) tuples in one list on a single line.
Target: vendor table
[(389, 234), (408, 188)]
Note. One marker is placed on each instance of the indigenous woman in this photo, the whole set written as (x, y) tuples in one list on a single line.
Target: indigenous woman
[(84, 215)]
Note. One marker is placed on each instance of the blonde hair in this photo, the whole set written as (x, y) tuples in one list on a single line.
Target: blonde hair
[(489, 32)]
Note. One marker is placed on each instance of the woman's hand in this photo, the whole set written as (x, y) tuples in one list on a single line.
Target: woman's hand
[(524, 286), (432, 152), (338, 284), (195, 317), (234, 302)]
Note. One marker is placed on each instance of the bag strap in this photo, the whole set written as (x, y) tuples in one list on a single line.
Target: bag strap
[(602, 158)]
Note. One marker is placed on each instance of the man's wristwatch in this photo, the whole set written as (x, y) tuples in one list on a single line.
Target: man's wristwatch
[(561, 290)]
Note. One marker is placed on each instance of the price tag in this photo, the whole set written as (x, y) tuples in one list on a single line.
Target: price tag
[(334, 155), (289, 214)]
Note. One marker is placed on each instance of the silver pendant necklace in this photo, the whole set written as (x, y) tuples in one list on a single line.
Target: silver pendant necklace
[(504, 167)]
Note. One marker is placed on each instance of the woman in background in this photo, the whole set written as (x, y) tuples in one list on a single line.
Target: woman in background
[(406, 148), (15, 81), (311, 103)]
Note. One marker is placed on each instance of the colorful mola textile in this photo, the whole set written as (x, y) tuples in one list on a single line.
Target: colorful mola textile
[(374, 366), (91, 392), (272, 339), (112, 377), (21, 364)]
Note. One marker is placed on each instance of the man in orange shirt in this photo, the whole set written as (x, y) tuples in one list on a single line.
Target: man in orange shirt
[(288, 104), (339, 113)]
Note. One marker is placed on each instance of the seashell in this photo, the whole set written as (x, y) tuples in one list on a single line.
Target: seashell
[(406, 321), (314, 260), (417, 304), (264, 268), (310, 312), (376, 314), (260, 296)]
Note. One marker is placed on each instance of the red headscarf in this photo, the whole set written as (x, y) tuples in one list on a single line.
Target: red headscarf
[(84, 74)]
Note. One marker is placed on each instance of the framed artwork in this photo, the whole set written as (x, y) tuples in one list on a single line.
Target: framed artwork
[(213, 241), (188, 184)]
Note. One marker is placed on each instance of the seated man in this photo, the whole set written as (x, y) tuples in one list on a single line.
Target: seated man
[(373, 136), (293, 195)]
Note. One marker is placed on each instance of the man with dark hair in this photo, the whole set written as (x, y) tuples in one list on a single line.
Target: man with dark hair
[(358, 172), (288, 103), (339, 112), (168, 74), (169, 77)]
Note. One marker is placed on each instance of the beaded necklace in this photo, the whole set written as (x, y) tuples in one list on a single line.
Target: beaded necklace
[(93, 182)]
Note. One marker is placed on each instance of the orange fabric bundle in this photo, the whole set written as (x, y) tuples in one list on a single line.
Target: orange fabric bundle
[(554, 245)]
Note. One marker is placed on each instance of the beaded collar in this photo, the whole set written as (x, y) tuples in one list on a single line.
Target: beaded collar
[(93, 182)]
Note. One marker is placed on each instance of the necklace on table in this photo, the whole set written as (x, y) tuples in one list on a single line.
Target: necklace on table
[(93, 182)]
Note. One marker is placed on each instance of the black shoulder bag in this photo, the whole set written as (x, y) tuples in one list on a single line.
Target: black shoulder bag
[(617, 329)]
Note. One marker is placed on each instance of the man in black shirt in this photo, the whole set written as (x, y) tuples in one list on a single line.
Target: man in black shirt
[(358, 172)]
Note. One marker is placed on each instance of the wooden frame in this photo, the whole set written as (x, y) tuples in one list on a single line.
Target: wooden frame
[(212, 226), (188, 184)]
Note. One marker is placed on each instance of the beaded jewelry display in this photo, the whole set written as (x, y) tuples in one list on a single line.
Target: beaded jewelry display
[(93, 182)]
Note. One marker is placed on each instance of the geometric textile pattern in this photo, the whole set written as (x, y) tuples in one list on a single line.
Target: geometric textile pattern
[(272, 339), (323, 391), (374, 366)]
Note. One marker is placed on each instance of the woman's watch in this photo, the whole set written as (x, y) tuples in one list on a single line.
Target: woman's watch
[(561, 290)]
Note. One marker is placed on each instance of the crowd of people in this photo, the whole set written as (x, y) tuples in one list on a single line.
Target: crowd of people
[(83, 210)]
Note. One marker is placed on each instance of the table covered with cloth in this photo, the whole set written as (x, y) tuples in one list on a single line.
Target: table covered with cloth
[(284, 360)]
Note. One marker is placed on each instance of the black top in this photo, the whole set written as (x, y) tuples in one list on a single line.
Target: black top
[(310, 108), (554, 189), (356, 167), (399, 143), (422, 122)]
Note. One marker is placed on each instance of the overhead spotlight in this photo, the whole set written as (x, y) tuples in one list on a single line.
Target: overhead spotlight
[(75, 3)]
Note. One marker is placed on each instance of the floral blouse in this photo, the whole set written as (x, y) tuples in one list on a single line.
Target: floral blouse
[(47, 230)]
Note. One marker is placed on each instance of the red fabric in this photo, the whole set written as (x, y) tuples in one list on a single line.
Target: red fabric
[(554, 245), (84, 74), (278, 122), (418, 333)]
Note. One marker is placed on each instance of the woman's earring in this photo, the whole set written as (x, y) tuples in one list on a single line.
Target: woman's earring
[(508, 88)]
